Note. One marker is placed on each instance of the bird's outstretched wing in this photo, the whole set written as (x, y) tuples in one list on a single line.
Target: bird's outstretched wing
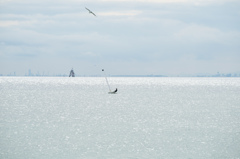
[(93, 14), (90, 11), (87, 9)]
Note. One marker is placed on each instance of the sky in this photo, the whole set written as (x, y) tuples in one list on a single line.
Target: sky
[(127, 37)]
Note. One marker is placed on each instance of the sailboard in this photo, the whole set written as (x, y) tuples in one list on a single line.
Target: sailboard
[(72, 74), (110, 91)]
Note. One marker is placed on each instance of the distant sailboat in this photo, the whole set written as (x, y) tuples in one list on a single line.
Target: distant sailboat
[(110, 92), (72, 74)]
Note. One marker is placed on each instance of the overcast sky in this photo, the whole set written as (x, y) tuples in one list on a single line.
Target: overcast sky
[(167, 37)]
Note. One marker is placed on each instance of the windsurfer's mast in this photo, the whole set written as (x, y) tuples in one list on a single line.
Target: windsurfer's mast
[(106, 80), (110, 92)]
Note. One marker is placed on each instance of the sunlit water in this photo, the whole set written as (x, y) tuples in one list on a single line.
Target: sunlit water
[(149, 118)]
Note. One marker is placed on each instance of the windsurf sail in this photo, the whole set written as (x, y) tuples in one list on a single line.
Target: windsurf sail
[(72, 74)]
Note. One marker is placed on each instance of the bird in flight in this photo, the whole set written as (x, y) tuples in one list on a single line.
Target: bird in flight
[(90, 12)]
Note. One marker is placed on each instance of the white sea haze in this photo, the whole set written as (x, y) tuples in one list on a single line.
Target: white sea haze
[(149, 118)]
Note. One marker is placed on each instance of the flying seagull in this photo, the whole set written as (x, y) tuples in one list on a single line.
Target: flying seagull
[(90, 12)]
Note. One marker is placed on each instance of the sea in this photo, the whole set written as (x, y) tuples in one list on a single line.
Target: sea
[(148, 118)]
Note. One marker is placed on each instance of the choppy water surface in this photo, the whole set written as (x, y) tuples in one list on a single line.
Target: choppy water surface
[(149, 118)]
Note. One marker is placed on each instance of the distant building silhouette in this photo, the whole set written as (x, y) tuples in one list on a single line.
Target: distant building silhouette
[(29, 72)]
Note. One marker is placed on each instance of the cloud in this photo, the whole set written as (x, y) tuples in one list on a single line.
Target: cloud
[(196, 2), (138, 37), (203, 34), (126, 13), (8, 23)]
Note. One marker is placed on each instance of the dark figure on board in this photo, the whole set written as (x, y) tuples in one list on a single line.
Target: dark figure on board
[(115, 90)]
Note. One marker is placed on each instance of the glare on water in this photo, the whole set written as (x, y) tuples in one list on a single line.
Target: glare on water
[(76, 118)]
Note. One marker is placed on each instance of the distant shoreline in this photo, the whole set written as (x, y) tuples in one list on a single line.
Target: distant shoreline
[(224, 75)]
